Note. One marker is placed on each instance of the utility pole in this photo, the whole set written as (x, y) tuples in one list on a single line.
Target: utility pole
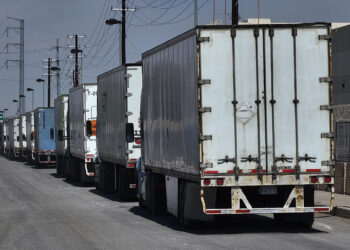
[(58, 84), (21, 62), (195, 13), (76, 62), (235, 13), (49, 68), (49, 83), (123, 34), (76, 50)]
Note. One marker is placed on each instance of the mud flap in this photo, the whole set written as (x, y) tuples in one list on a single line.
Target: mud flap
[(193, 206)]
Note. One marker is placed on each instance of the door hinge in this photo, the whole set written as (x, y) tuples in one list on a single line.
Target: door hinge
[(325, 37), (128, 76), (326, 107), (128, 94), (206, 137), (128, 113), (325, 79), (203, 39), (204, 81), (129, 151), (204, 110), (327, 135)]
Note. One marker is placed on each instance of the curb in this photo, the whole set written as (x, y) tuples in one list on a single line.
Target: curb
[(341, 212)]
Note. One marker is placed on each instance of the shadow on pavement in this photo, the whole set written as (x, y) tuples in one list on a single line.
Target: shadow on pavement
[(238, 224), (110, 196)]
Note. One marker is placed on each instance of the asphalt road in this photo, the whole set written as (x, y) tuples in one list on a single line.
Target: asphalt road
[(40, 211)]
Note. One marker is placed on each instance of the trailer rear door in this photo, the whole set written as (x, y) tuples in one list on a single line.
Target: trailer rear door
[(260, 106)]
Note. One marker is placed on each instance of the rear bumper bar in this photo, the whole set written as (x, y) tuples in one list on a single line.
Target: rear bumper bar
[(268, 210)]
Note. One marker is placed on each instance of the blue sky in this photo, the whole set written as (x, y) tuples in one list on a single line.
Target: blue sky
[(154, 22)]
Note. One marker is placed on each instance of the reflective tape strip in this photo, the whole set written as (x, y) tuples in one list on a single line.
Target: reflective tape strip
[(288, 170), (213, 211), (257, 171), (211, 172), (268, 210), (313, 170)]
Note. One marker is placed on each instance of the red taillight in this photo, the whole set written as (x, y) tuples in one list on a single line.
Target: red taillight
[(220, 181), (131, 165), (206, 182), (138, 141), (314, 179), (327, 179)]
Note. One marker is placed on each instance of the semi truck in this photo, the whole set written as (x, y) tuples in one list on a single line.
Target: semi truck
[(82, 133), (118, 136), (44, 137), (237, 120), (30, 137), (14, 138), (6, 137), (61, 127), (23, 137)]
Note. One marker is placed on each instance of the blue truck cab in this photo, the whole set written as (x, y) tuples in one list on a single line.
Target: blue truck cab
[(44, 136)]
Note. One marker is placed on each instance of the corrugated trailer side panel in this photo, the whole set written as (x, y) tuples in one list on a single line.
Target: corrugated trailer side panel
[(169, 107), (61, 112), (76, 121), (111, 122)]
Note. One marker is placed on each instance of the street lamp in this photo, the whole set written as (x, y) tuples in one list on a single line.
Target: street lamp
[(39, 80), (55, 68), (112, 21), (31, 90), (16, 101)]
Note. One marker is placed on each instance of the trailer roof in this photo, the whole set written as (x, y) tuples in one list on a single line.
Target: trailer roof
[(193, 31)]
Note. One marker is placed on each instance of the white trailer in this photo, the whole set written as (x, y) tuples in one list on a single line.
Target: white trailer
[(6, 137), (23, 137), (82, 133), (14, 138), (30, 137), (236, 120), (61, 127), (118, 136)]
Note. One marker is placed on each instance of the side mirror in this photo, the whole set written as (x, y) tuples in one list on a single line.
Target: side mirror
[(60, 135), (129, 130), (89, 128), (52, 134)]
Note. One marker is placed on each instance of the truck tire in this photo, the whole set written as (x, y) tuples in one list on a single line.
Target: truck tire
[(302, 220), (156, 199)]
